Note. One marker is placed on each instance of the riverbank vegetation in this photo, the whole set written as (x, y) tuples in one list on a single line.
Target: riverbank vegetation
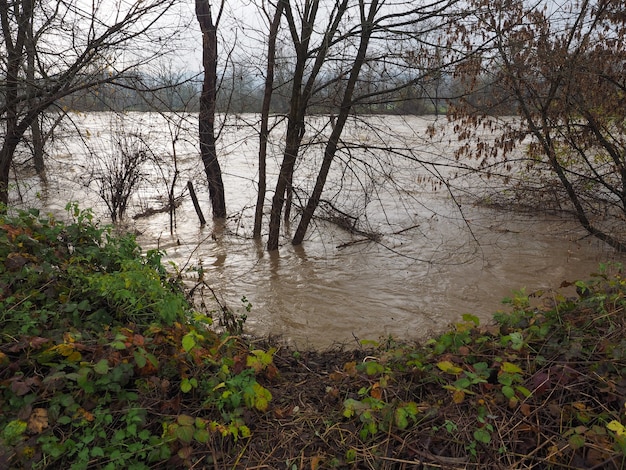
[(106, 363)]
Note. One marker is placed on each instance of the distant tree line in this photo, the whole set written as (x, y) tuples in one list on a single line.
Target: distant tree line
[(243, 93)]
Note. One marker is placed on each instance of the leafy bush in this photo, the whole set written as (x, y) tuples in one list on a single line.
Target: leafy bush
[(103, 363), (57, 275)]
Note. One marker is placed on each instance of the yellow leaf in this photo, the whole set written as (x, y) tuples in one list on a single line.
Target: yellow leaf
[(617, 427), (74, 357), (68, 338), (64, 349), (579, 406), (448, 367), (510, 368), (262, 397), (458, 396)]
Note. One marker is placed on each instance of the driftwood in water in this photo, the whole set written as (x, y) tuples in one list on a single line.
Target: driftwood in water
[(345, 221), (150, 211)]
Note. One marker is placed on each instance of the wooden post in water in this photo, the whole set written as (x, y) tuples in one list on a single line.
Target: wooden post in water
[(194, 198)]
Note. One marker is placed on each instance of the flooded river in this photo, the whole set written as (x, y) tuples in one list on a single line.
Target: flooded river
[(433, 262)]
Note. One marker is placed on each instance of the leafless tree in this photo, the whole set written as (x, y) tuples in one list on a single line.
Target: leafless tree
[(265, 115), (53, 50), (208, 151), (343, 56), (174, 98), (119, 169)]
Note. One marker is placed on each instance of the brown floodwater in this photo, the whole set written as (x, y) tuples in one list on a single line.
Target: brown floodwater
[(433, 261)]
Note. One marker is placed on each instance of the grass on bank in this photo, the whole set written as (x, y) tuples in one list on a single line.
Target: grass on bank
[(105, 363)]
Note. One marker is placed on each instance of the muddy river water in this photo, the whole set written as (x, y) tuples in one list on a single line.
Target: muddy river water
[(431, 264)]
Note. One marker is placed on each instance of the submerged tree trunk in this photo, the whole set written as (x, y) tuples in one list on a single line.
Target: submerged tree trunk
[(265, 111), (13, 133), (301, 92), (346, 106), (295, 124), (206, 118)]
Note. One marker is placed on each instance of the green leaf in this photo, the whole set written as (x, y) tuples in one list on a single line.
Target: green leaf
[(185, 420), (468, 317), (517, 341), (202, 436), (508, 391), (505, 379), (153, 360), (482, 435), (140, 359), (185, 433), (373, 368), (14, 429), (102, 367), (577, 441), (97, 452), (400, 417), (189, 341), (118, 345), (185, 385), (244, 431), (64, 420), (462, 383)]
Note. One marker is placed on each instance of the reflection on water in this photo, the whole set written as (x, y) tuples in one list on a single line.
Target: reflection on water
[(427, 270)]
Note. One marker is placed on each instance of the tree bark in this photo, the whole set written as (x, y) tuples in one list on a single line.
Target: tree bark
[(206, 118), (265, 111), (35, 128), (14, 52), (295, 123), (299, 101), (346, 105)]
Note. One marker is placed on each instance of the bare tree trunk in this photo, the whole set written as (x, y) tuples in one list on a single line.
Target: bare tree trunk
[(206, 118), (295, 130), (35, 128), (196, 204), (346, 105), (265, 111), (288, 200), (6, 156), (295, 122), (38, 155), (14, 51), (299, 101)]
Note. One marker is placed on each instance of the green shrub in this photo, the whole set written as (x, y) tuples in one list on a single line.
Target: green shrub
[(103, 363), (55, 275)]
